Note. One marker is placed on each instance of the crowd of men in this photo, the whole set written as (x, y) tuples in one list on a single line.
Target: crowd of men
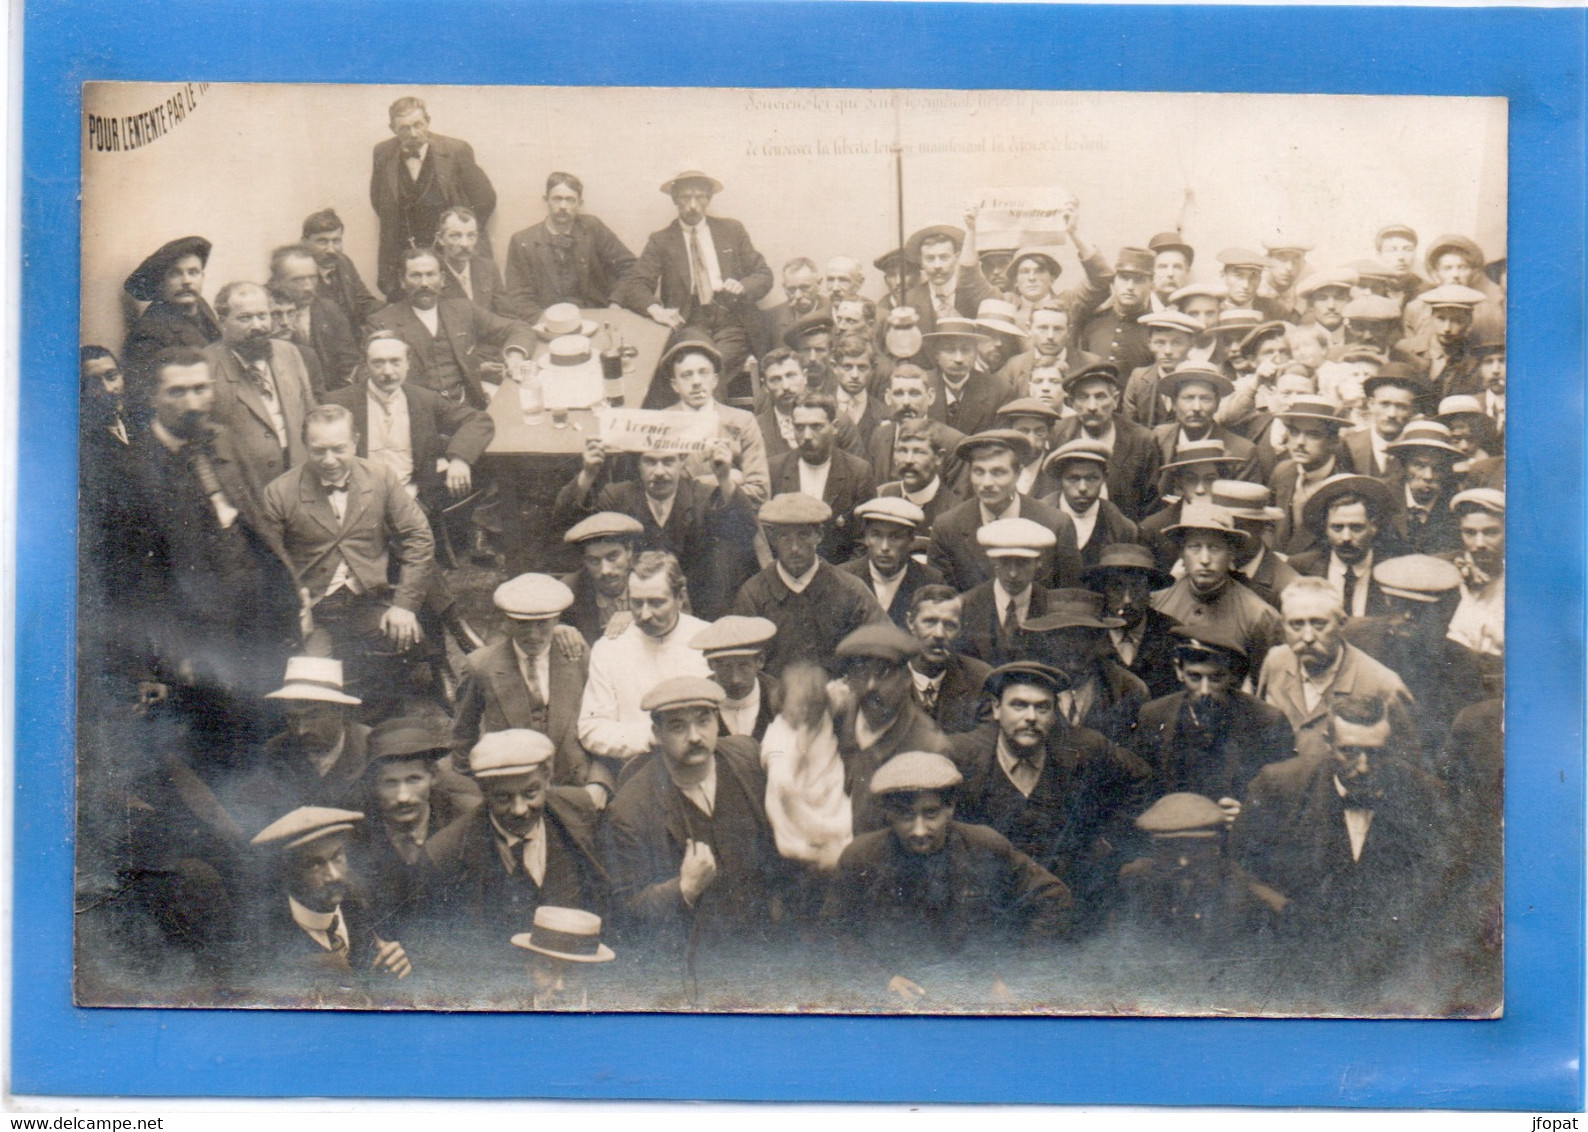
[(1012, 629)]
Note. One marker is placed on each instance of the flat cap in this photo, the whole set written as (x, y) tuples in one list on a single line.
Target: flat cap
[(306, 824), (1237, 321), (1210, 637), (1271, 329), (1451, 242), (144, 283), (891, 509), (407, 735), (1024, 672), (1245, 500), (1372, 308), (1081, 448), (532, 597), (1336, 278), (1122, 558), (1015, 538), (813, 323), (1026, 407), (1189, 372), (1452, 295), (1170, 319), (1008, 438), (1490, 499), (1416, 577), (604, 525), (1242, 257), (1073, 609), (794, 508), (1182, 815), (882, 641), (683, 692), (734, 635), (1404, 231), (1094, 371), (910, 771), (1402, 376), (514, 751), (1198, 291), (1372, 271)]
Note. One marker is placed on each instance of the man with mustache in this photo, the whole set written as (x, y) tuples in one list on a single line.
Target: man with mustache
[(1350, 518), (1326, 294), (802, 298), (1171, 266), (1134, 459), (1315, 455), (1073, 636), (946, 683), (1479, 621), (819, 469), (785, 380), (889, 527), (1242, 273), (1428, 475), (316, 325), (262, 388), (1170, 336), (951, 281), (1080, 469), (909, 398), (1440, 350), (417, 176), (1195, 391), (1395, 394), (171, 281), (569, 257), (607, 543), (467, 272), (1113, 332), (966, 396), (340, 281), (1126, 576)]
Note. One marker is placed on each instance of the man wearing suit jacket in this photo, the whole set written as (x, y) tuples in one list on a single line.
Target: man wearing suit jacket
[(465, 272), (965, 396), (1351, 517), (700, 271), (994, 459), (928, 470), (1134, 458), (526, 681), (1195, 390), (262, 391), (1079, 470), (607, 542), (946, 683), (418, 175), (1315, 456), (1316, 667), (343, 521), (570, 257), (952, 284), (1073, 637), (735, 650), (1394, 396), (1126, 576), (785, 381), (339, 280), (820, 469), (171, 281), (445, 336), (997, 609), (319, 328), (888, 530)]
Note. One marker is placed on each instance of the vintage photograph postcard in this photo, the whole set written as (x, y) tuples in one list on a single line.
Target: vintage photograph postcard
[(791, 550)]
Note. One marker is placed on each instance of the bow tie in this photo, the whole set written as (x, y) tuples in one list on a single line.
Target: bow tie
[(336, 489)]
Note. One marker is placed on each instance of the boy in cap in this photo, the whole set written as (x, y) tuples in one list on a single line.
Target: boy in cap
[(1033, 418), (530, 843), (889, 529), (813, 604), (1093, 395), (934, 908), (996, 609), (1080, 468), (1126, 576), (1210, 593), (1187, 479), (607, 543), (1171, 265), (313, 930), (735, 650)]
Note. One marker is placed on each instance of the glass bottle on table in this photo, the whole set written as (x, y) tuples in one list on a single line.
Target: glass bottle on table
[(611, 367)]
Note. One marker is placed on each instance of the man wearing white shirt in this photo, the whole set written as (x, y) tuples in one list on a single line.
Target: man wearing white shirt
[(1080, 470), (889, 527), (735, 648), (467, 273), (1479, 621)]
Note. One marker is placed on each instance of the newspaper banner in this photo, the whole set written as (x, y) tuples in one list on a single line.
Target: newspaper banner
[(1031, 216), (657, 430)]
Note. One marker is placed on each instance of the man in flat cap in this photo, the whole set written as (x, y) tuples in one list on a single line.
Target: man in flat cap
[(1195, 391), (528, 680), (1210, 593), (1316, 665), (821, 470), (1134, 459), (1073, 636), (946, 683), (888, 529), (340, 281), (1203, 303), (1034, 418), (1429, 481), (1350, 519), (1080, 469), (530, 843), (1286, 258), (1112, 332), (416, 176), (1126, 576), (1241, 271), (812, 339), (934, 908), (996, 609), (692, 368), (1051, 787), (654, 646), (966, 396), (1456, 261), (1210, 738), (700, 271), (1262, 352), (994, 459), (694, 863), (1314, 455), (607, 543), (735, 650), (1479, 620), (312, 931), (171, 281), (813, 603), (569, 257), (1170, 336), (1439, 351)]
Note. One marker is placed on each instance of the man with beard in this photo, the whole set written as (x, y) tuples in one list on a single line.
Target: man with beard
[(1479, 621), (1348, 514), (994, 459), (1195, 391), (1171, 265), (802, 297), (1126, 576), (1113, 332), (946, 683), (1210, 593), (262, 389), (1080, 468), (339, 279), (530, 843), (1326, 295), (607, 543), (570, 257), (813, 603), (1210, 738), (889, 528), (171, 281), (996, 609), (313, 932), (1134, 459), (1052, 788), (1316, 665), (966, 397), (1074, 637), (909, 399), (655, 646), (1428, 463), (819, 469), (1242, 273), (875, 713), (418, 175), (1394, 395), (1313, 426), (1170, 336), (700, 271), (466, 272), (933, 906), (315, 325), (445, 336)]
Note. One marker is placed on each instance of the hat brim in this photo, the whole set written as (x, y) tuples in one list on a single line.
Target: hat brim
[(1052, 265), (603, 953), (1054, 459), (1170, 385), (293, 691), (955, 334), (144, 283), (1338, 422), (1395, 448), (1245, 542), (998, 326), (704, 347), (1316, 509), (587, 327), (1078, 621), (669, 185)]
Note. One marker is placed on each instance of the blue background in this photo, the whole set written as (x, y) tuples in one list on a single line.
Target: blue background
[(1530, 1060)]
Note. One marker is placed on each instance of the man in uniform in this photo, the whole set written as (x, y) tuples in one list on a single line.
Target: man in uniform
[(1113, 332), (1210, 593)]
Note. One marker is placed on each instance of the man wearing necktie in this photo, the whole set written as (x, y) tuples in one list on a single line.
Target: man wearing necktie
[(1428, 459), (701, 271)]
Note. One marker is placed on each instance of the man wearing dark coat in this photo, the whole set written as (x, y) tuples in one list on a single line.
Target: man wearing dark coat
[(340, 281), (1126, 577), (316, 324), (570, 257), (947, 684), (997, 610), (888, 528), (819, 468), (417, 176), (1134, 459), (1073, 636), (171, 281), (608, 542)]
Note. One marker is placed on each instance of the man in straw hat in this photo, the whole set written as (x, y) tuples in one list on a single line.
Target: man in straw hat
[(1195, 391), (1170, 336), (1033, 271), (569, 257), (1186, 480), (1428, 472), (1314, 454), (1264, 572), (1005, 337), (966, 395), (171, 281), (562, 943), (934, 908), (700, 271), (1350, 521), (1126, 576)]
